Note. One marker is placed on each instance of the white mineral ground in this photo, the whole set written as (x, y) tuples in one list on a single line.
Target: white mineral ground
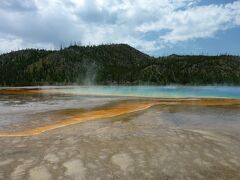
[(119, 139)]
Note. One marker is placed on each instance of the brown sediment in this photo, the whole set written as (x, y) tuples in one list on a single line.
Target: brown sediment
[(87, 116), (117, 110), (20, 91)]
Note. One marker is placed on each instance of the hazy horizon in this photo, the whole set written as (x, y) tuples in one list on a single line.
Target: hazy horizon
[(155, 56)]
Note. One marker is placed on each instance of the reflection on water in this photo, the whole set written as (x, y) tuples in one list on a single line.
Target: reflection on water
[(157, 91), (15, 108), (135, 91), (214, 118)]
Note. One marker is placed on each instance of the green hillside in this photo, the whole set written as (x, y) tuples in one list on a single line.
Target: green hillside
[(114, 64)]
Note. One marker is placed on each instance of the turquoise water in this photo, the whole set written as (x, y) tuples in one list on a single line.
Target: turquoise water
[(156, 91)]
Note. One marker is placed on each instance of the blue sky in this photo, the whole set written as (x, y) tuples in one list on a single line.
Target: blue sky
[(157, 27)]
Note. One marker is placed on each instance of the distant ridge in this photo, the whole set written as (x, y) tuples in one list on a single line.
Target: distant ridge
[(114, 64)]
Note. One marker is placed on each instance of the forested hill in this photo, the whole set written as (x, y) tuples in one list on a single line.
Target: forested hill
[(114, 64)]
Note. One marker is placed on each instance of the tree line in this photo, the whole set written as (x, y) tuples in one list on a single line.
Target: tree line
[(114, 64)]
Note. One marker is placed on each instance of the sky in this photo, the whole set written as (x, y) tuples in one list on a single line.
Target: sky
[(156, 27)]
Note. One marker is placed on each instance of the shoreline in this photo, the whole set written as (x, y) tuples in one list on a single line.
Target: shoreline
[(54, 91)]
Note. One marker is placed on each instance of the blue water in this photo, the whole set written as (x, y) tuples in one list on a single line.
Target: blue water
[(156, 91)]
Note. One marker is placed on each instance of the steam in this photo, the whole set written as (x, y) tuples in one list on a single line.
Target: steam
[(90, 72)]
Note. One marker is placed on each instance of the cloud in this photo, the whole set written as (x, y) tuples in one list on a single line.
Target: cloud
[(16, 5), (47, 24), (12, 43), (195, 22)]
